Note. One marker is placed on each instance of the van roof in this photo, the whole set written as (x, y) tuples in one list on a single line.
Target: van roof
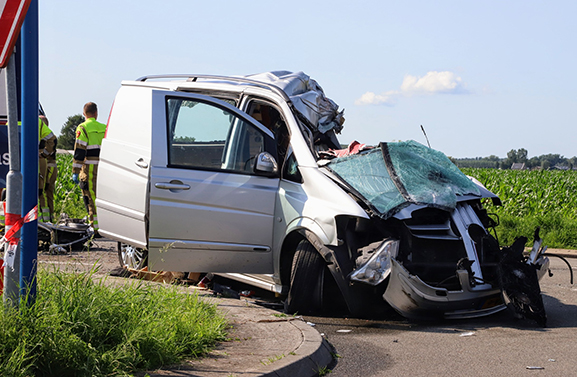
[(231, 80), (297, 89)]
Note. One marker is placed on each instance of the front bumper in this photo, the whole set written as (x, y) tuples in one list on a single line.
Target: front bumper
[(414, 299)]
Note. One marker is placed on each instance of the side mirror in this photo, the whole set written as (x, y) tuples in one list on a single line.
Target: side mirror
[(266, 165)]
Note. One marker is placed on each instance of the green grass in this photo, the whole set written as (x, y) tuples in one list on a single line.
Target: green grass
[(78, 327), (533, 198)]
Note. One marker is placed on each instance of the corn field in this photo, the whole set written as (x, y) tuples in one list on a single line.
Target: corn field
[(67, 195), (545, 198)]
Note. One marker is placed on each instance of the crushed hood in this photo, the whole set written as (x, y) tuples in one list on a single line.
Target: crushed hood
[(396, 174)]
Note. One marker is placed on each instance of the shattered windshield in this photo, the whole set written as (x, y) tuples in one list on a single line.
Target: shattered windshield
[(396, 174)]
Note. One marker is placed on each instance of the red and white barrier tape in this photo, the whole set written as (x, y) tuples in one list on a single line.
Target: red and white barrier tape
[(15, 223)]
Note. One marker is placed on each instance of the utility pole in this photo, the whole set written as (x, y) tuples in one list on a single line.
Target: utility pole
[(13, 189)]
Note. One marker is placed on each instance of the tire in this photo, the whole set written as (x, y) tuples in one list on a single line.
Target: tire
[(132, 257), (520, 284), (523, 295), (308, 269)]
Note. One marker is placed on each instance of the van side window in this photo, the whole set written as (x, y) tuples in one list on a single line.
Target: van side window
[(202, 135), (271, 118)]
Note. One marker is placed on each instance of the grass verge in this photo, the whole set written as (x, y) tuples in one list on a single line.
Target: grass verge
[(79, 327)]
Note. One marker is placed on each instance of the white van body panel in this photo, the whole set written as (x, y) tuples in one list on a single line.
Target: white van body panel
[(124, 168)]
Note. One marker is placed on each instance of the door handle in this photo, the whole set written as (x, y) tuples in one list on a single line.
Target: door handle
[(141, 163), (171, 186)]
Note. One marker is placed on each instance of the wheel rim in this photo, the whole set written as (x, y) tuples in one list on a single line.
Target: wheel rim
[(131, 256)]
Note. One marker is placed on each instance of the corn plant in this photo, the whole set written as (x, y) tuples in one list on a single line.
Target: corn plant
[(67, 196)]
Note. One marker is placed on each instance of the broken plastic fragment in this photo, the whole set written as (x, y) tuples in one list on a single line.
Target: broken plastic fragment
[(225, 291), (469, 333), (203, 283), (311, 324)]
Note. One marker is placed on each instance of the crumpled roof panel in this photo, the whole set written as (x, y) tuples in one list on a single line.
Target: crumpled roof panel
[(308, 98)]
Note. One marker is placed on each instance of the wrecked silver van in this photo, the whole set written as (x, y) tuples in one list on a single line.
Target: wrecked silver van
[(244, 176)]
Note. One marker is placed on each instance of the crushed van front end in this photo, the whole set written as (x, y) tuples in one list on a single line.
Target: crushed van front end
[(415, 299), (429, 247)]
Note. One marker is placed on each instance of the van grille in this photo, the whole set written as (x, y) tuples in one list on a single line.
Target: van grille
[(434, 231)]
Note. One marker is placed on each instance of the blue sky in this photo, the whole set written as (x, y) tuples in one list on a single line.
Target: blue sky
[(482, 77)]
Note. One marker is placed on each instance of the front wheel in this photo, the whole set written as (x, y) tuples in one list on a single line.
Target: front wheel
[(132, 257), (305, 295)]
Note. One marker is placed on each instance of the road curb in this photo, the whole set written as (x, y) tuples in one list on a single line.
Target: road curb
[(565, 253), (313, 355)]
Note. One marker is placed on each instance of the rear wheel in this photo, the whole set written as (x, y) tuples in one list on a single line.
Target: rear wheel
[(132, 257), (306, 282)]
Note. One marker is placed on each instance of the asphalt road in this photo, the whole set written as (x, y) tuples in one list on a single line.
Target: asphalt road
[(498, 345)]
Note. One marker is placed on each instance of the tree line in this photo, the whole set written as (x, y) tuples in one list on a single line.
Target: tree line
[(544, 161)]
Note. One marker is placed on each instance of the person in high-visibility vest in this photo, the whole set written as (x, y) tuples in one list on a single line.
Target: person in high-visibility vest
[(89, 137), (47, 170), (46, 176)]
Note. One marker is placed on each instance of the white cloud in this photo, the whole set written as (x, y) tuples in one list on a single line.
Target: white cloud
[(370, 98), (432, 83)]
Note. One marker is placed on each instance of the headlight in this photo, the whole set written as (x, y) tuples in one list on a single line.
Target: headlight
[(378, 267)]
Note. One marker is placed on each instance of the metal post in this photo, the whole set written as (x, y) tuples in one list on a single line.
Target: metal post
[(29, 247), (13, 186)]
